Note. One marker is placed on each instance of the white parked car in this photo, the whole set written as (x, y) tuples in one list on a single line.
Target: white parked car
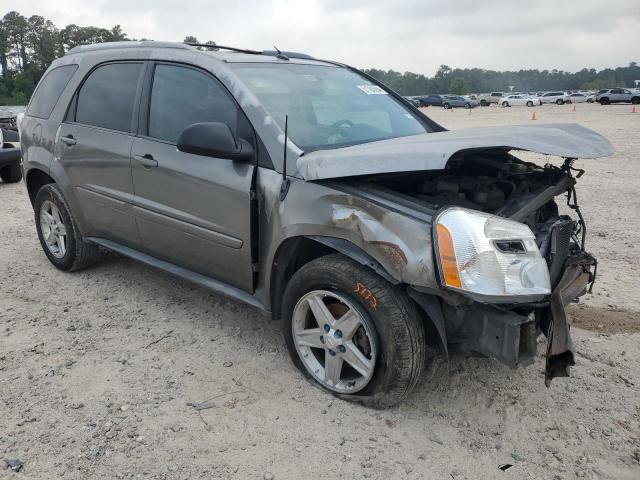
[(582, 98), (555, 97), (511, 100)]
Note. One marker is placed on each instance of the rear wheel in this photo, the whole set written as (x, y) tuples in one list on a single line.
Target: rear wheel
[(353, 333), (58, 232), (604, 101), (483, 103), (11, 173), (635, 100)]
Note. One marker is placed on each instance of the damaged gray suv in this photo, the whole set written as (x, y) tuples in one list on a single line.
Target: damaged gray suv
[(309, 190)]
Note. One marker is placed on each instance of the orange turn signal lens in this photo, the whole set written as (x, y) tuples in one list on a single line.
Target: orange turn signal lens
[(448, 260)]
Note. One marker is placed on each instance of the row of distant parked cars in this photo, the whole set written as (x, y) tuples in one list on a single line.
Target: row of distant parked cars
[(531, 99)]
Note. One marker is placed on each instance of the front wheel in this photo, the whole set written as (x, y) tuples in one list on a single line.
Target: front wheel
[(353, 333), (505, 104), (559, 102), (467, 105), (446, 106), (635, 100), (529, 104), (58, 232)]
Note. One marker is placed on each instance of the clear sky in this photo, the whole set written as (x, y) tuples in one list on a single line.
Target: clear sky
[(414, 35)]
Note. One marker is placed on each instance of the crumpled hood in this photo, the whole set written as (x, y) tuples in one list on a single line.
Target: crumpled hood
[(431, 151)]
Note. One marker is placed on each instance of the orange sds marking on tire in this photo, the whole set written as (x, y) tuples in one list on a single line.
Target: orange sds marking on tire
[(367, 294)]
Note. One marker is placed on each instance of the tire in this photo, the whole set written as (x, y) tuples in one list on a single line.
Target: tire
[(559, 102), (529, 103), (397, 330), (635, 100), (11, 173), (505, 104), (446, 106), (589, 101), (604, 101), (467, 105), (77, 253), (483, 103)]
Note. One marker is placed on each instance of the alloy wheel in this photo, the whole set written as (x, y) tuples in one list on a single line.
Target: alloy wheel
[(53, 229), (334, 340)]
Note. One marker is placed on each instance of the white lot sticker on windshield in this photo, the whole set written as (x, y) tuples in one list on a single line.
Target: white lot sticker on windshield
[(372, 90)]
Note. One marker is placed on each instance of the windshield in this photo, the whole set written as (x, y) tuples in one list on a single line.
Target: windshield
[(328, 107)]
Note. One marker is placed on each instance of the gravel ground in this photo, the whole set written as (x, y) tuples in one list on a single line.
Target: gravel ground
[(97, 368)]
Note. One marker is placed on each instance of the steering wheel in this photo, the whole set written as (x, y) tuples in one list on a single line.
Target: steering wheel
[(335, 127)]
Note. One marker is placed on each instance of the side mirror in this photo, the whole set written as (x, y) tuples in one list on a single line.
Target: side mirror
[(213, 139)]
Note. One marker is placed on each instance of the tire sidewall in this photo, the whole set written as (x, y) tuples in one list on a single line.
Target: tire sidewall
[(52, 193)]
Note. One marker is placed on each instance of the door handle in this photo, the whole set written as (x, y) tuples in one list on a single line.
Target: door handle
[(69, 140), (147, 160)]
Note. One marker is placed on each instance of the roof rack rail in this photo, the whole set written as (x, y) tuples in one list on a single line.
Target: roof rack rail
[(222, 47), (271, 53), (124, 44), (274, 53)]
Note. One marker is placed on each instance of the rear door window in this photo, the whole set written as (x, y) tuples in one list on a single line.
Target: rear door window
[(51, 87), (106, 99), (181, 96)]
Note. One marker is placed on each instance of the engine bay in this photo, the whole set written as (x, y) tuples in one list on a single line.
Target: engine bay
[(497, 182)]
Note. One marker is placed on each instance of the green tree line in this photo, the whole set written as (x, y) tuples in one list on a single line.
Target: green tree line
[(476, 80), (28, 45)]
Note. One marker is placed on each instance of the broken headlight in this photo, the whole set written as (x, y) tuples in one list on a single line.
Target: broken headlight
[(489, 257)]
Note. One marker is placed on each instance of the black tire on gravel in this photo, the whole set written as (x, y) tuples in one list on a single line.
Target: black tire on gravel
[(560, 102), (529, 104), (399, 327), (79, 254), (11, 173)]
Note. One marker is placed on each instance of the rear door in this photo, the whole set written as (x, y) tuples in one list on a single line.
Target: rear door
[(615, 95), (95, 143), (192, 210)]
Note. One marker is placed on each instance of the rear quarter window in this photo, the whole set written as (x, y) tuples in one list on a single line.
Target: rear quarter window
[(48, 92)]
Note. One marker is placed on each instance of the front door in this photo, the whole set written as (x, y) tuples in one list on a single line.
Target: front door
[(192, 210), (95, 143)]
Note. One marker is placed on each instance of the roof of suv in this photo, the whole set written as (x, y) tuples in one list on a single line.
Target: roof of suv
[(222, 53)]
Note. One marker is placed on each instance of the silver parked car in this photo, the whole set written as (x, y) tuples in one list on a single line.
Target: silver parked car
[(316, 194), (456, 101), (559, 98), (618, 95)]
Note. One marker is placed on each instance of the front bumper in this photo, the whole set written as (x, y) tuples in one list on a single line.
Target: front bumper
[(9, 156), (508, 333)]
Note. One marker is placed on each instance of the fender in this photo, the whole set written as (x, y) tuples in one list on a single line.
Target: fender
[(355, 253)]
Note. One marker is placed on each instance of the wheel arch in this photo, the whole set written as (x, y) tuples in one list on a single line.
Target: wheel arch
[(35, 180), (294, 252)]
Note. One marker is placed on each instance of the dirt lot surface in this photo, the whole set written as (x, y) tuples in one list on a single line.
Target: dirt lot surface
[(97, 368)]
